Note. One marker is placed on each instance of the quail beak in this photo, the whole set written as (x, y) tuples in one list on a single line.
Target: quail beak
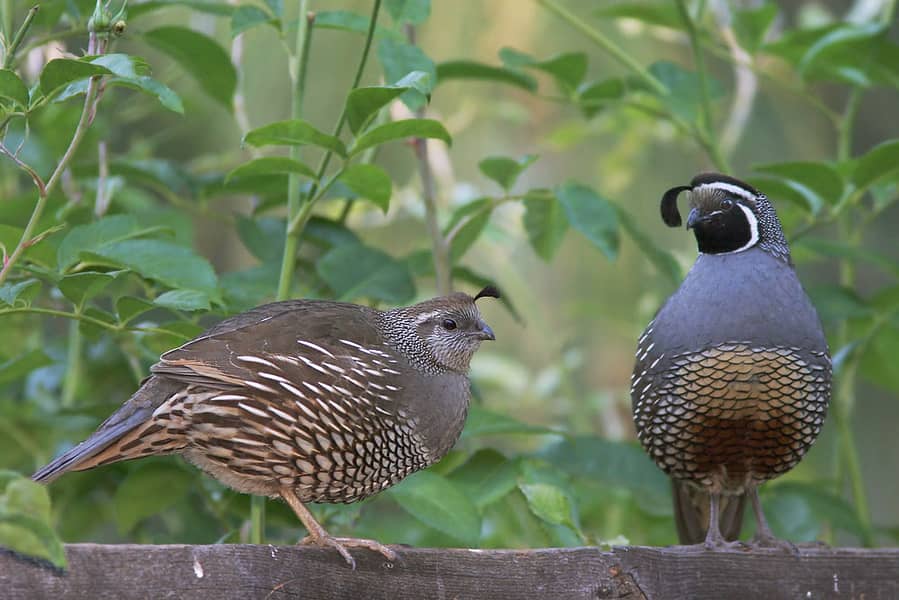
[(485, 333), (693, 218)]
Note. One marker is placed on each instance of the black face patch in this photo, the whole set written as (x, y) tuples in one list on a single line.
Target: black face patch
[(725, 229)]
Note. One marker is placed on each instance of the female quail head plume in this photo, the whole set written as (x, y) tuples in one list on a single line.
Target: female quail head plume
[(309, 400), (732, 378)]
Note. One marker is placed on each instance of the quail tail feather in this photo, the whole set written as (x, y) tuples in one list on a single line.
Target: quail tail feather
[(112, 442), (691, 513)]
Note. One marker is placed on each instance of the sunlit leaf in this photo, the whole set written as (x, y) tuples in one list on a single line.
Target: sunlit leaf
[(200, 56), (439, 503), (13, 88), (363, 103), (270, 165), (398, 130), (876, 165), (487, 476), (247, 16), (414, 12), (592, 215), (505, 171), (399, 59), (294, 132), (356, 271), (545, 222), (79, 287), (183, 300), (59, 72), (469, 69), (466, 225), (370, 182), (819, 183)]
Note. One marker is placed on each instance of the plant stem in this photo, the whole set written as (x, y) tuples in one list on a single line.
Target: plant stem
[(298, 68), (316, 191), (844, 400), (606, 44), (73, 365), (13, 48), (440, 251), (705, 129), (87, 114)]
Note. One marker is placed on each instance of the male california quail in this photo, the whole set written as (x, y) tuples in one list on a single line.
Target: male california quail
[(309, 400), (732, 378)]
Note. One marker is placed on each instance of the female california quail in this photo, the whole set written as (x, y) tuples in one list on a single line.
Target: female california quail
[(732, 378), (309, 400)]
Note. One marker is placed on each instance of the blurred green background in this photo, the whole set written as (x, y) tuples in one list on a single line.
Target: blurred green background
[(780, 76)]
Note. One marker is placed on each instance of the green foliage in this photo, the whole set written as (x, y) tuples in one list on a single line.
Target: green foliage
[(136, 212)]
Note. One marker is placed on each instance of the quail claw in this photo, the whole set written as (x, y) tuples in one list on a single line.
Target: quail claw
[(342, 543)]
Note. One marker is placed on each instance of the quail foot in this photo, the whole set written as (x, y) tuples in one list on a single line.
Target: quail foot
[(733, 377), (309, 400)]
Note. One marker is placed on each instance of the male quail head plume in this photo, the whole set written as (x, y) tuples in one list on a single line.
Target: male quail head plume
[(309, 400), (732, 379)]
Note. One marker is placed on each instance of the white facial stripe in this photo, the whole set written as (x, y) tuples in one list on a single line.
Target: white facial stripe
[(726, 187), (753, 228)]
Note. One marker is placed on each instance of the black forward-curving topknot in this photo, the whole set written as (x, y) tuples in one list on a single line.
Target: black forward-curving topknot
[(488, 292), (670, 214)]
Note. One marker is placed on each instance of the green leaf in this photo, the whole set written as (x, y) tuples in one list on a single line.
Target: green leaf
[(42, 253), (398, 130), (247, 16), (663, 14), (878, 362), (685, 96), (545, 222), (263, 236), (59, 72), (439, 503), (467, 223), (356, 271), (663, 260), (482, 422), (549, 503), (93, 331), (13, 88), (414, 12), (79, 287), (19, 366), (21, 495), (835, 55), (271, 165), (213, 8), (343, 20), (824, 504), (818, 183), (592, 215), (369, 182), (170, 264), (276, 6), (200, 56), (566, 69), (84, 238), (294, 132), (876, 165), (751, 25), (398, 59), (363, 103), (129, 307), (164, 94), (189, 300), (469, 69), (486, 477), (836, 303), (138, 496), (25, 291), (29, 536), (505, 171), (593, 97)]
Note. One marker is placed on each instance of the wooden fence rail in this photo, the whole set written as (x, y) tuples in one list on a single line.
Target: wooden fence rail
[(101, 572)]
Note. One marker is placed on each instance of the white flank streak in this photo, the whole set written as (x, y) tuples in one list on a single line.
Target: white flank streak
[(255, 359), (343, 390), (334, 368), (247, 442), (296, 392), (273, 377), (231, 397), (280, 413), (259, 386), (374, 372), (349, 343), (312, 388), (315, 347), (382, 411), (337, 406), (322, 404), (312, 365), (252, 410), (375, 386), (392, 371), (354, 382), (306, 409), (326, 386)]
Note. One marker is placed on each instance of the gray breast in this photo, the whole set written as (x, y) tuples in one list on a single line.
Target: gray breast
[(748, 296)]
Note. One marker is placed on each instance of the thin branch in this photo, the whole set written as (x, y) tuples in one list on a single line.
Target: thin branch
[(118, 328), (13, 156), (745, 87), (606, 44), (13, 48)]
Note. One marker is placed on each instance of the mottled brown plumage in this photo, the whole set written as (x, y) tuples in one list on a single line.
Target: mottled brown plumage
[(312, 401), (732, 378)]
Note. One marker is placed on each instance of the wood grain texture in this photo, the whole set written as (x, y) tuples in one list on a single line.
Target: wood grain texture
[(104, 572)]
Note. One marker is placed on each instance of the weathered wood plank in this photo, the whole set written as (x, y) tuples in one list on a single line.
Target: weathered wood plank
[(267, 572)]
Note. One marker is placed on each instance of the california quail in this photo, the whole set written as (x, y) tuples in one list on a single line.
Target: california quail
[(732, 377), (309, 400)]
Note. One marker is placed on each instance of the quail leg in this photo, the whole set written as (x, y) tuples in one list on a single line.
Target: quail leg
[(320, 537), (764, 537), (714, 540)]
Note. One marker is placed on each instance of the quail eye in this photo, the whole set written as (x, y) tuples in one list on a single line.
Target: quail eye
[(449, 324), (727, 203)]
